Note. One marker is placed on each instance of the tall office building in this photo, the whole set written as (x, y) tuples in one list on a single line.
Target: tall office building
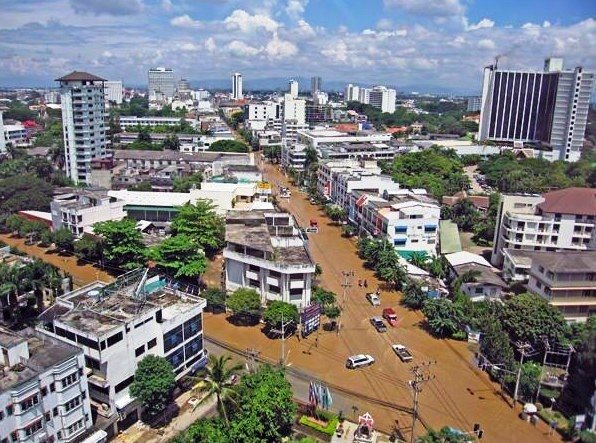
[(541, 108), (316, 85), (113, 89), (382, 98), (161, 83), (364, 95), (474, 103), (237, 86), (84, 121), (352, 93), (2, 138), (293, 88)]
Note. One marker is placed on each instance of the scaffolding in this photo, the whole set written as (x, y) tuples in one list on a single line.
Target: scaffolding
[(555, 366)]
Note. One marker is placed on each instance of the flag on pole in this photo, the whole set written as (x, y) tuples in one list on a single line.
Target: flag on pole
[(328, 398), (311, 393)]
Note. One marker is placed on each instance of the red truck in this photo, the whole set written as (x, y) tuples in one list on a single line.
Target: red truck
[(390, 315)]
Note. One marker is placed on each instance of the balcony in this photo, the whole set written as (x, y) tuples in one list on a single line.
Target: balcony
[(263, 263), (297, 284)]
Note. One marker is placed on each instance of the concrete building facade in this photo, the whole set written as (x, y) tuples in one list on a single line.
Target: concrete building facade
[(237, 86), (84, 123), (161, 83)]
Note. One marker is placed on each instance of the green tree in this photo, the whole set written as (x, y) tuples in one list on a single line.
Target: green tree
[(335, 212), (216, 299), (245, 302), (266, 407), (323, 297), (24, 191), (172, 143), (201, 223), (332, 312), (179, 256), (89, 248), (144, 135), (123, 245), (529, 380), (443, 316), (464, 214), (217, 381), (496, 346), (278, 311), (530, 318), (153, 384), (418, 259), (14, 222), (206, 430), (228, 146), (414, 297), (393, 272), (184, 184), (436, 266), (63, 239), (273, 153)]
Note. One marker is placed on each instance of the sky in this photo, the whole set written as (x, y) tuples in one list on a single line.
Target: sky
[(440, 43)]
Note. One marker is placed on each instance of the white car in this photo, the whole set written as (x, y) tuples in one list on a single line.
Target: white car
[(373, 299), (357, 361)]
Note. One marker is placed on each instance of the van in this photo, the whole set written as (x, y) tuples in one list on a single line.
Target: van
[(358, 361)]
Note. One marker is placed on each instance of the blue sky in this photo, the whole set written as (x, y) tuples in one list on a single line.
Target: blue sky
[(395, 42)]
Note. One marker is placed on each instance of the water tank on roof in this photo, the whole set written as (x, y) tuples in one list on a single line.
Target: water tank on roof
[(94, 294)]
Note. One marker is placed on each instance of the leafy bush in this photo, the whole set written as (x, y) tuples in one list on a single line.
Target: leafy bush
[(329, 429)]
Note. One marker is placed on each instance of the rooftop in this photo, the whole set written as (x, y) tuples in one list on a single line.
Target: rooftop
[(98, 308), (75, 76), (449, 237), (486, 275), (567, 261), (579, 201), (465, 257), (44, 352), (521, 257), (196, 157)]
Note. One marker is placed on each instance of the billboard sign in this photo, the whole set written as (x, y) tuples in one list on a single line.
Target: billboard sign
[(310, 319)]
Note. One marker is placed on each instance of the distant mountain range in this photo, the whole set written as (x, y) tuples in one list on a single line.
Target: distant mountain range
[(281, 84)]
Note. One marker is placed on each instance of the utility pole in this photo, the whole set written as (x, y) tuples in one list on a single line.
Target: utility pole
[(525, 350), (282, 331), (345, 284), (251, 356), (421, 376)]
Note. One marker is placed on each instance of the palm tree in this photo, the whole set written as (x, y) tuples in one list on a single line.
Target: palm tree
[(418, 259), (436, 267), (469, 276), (414, 296), (218, 381)]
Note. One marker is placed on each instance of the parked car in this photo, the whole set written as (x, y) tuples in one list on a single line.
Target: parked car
[(402, 352), (374, 299), (357, 361), (378, 323), (390, 315)]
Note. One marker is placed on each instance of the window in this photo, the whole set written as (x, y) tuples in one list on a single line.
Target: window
[(9, 410), (114, 339), (401, 229), (92, 363), (44, 391), (124, 384), (192, 326), (172, 339), (33, 428), (55, 411), (193, 348), (14, 436), (71, 404), (176, 358), (152, 343), (69, 380), (75, 427), (140, 351), (29, 403), (478, 290)]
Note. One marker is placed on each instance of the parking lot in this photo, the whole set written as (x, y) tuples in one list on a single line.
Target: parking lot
[(459, 395)]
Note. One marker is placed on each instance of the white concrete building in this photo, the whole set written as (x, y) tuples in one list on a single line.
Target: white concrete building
[(117, 325), (162, 85), (113, 90), (485, 284), (2, 136), (327, 171), (43, 389), (344, 183), (79, 211), (557, 220), (16, 135), (84, 123), (408, 219), (266, 251), (319, 135), (321, 98), (294, 109), (352, 93), (131, 121), (293, 156), (567, 280), (364, 95), (237, 86), (293, 88), (382, 98)]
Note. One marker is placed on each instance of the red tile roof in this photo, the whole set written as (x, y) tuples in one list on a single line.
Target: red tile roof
[(579, 201), (80, 76)]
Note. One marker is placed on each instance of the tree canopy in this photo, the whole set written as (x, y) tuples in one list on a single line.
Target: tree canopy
[(153, 384), (278, 311), (201, 224), (228, 146), (180, 256), (123, 246), (244, 301)]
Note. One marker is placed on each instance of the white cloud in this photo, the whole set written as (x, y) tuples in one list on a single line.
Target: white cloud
[(107, 7), (486, 43), (245, 22), (277, 48), (546, 24), (107, 54), (190, 47), (295, 8), (384, 24), (485, 23), (304, 29), (185, 21), (337, 52), (428, 7), (166, 5), (241, 49), (210, 44)]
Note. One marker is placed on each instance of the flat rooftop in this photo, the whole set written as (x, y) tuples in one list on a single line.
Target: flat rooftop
[(567, 261), (44, 352), (98, 308), (193, 157)]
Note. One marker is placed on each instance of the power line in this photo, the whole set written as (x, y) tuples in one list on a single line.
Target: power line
[(422, 375)]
